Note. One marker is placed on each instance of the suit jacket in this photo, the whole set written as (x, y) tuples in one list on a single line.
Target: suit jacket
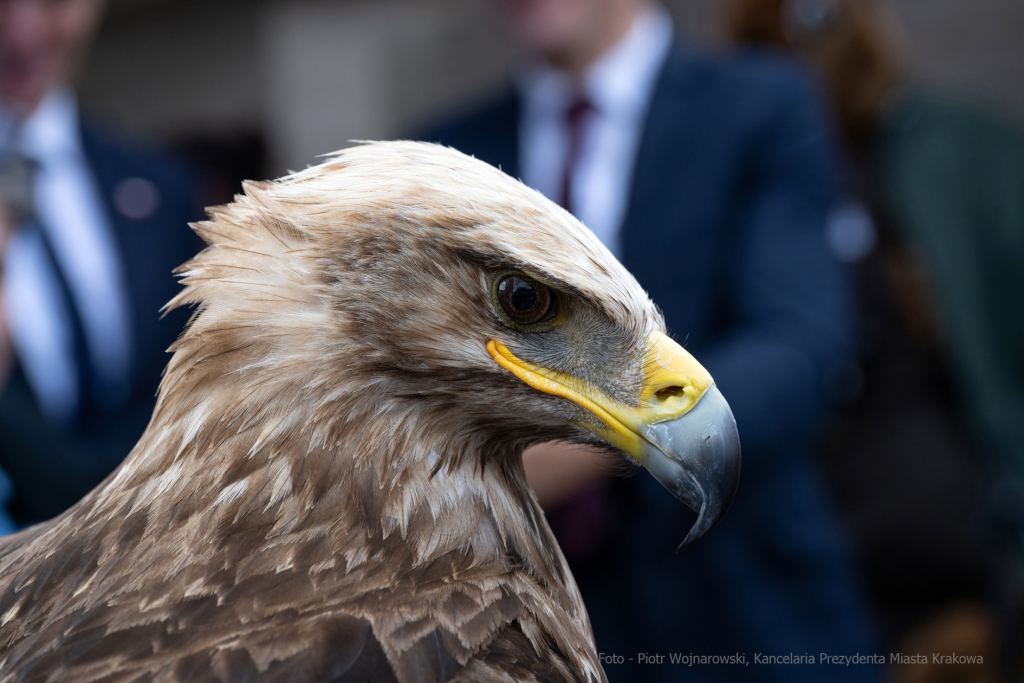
[(52, 468), (725, 228)]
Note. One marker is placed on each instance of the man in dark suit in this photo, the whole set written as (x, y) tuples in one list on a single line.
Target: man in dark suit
[(711, 180), (98, 226)]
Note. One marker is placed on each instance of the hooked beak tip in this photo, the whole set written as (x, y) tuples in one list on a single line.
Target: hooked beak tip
[(698, 460)]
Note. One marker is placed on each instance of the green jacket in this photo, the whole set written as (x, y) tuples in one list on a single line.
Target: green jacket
[(954, 176)]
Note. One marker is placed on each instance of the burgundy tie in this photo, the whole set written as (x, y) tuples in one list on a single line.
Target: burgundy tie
[(575, 117)]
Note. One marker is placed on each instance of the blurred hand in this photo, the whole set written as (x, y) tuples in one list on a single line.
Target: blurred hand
[(558, 470)]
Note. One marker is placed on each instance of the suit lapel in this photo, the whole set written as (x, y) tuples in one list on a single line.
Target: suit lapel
[(103, 164), (661, 167)]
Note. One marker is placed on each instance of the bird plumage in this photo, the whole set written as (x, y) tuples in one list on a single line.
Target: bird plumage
[(330, 488)]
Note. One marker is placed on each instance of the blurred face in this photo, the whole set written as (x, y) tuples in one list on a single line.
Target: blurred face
[(41, 41), (570, 34)]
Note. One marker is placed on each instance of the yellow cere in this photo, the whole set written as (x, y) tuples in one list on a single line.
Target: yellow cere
[(673, 380), (673, 383)]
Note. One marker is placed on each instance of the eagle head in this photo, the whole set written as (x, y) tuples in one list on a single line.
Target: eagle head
[(409, 292), (334, 457)]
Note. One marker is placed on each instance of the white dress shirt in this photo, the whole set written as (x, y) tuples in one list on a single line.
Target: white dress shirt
[(69, 208), (620, 86)]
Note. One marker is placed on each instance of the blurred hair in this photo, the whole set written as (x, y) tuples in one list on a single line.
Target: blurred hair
[(855, 44)]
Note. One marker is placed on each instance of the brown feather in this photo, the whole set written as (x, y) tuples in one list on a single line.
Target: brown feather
[(331, 487)]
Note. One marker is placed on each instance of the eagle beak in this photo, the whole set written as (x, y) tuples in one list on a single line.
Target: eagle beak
[(682, 430), (697, 458)]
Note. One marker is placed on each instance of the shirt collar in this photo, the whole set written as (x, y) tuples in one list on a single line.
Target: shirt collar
[(52, 129), (620, 82)]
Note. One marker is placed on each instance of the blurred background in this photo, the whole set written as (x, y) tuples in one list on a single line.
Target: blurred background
[(293, 79), (924, 455)]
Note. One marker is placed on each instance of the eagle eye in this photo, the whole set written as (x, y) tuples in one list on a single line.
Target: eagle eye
[(523, 300)]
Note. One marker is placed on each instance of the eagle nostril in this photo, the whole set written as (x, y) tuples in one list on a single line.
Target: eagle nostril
[(670, 392)]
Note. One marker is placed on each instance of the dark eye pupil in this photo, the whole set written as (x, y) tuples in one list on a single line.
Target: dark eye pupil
[(523, 295), (524, 300)]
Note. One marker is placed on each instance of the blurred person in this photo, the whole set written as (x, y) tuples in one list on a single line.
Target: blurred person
[(940, 272), (710, 179), (85, 271)]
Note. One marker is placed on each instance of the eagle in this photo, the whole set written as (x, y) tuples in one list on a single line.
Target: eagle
[(331, 485)]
